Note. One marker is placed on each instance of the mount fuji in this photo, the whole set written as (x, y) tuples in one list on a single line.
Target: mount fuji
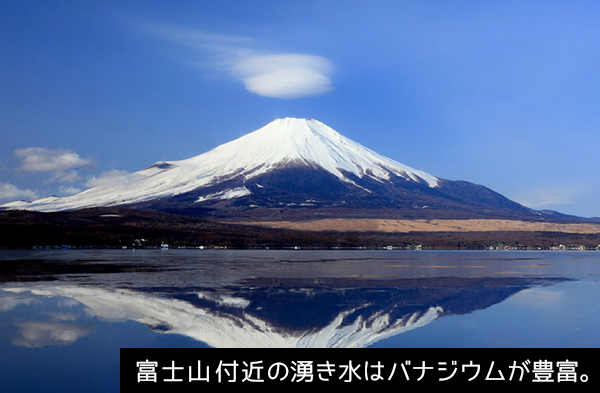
[(291, 169)]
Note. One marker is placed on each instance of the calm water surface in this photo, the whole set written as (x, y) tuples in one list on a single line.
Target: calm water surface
[(65, 314)]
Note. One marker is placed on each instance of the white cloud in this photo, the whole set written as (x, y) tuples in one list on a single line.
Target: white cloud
[(62, 164), (285, 76), (110, 179), (270, 74), (10, 192), (40, 159), (41, 334)]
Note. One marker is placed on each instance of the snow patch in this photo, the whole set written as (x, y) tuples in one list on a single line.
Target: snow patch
[(227, 194), (228, 301)]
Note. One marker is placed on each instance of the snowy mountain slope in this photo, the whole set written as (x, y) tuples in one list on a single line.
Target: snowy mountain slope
[(291, 169), (281, 143)]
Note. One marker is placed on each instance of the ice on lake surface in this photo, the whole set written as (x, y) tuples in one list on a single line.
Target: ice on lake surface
[(58, 306)]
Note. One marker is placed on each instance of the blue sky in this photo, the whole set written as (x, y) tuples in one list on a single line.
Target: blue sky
[(499, 93)]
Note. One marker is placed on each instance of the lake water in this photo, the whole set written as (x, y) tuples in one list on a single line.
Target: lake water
[(64, 314)]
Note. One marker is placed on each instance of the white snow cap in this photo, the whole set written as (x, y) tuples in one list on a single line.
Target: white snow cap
[(283, 141), (316, 143)]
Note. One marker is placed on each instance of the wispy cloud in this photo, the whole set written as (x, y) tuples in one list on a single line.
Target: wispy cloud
[(10, 192), (220, 46), (110, 179), (539, 297), (62, 163), (266, 73), (549, 197), (68, 190), (36, 334), (40, 159), (10, 300)]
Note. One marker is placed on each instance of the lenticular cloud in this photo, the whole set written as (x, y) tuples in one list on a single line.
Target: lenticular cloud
[(285, 76)]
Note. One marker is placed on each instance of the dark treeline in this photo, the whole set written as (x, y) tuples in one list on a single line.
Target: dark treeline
[(118, 228)]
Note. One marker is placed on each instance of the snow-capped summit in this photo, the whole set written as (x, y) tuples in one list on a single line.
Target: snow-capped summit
[(310, 142), (288, 164)]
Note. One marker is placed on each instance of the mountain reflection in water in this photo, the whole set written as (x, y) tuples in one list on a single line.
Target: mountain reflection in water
[(268, 312)]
